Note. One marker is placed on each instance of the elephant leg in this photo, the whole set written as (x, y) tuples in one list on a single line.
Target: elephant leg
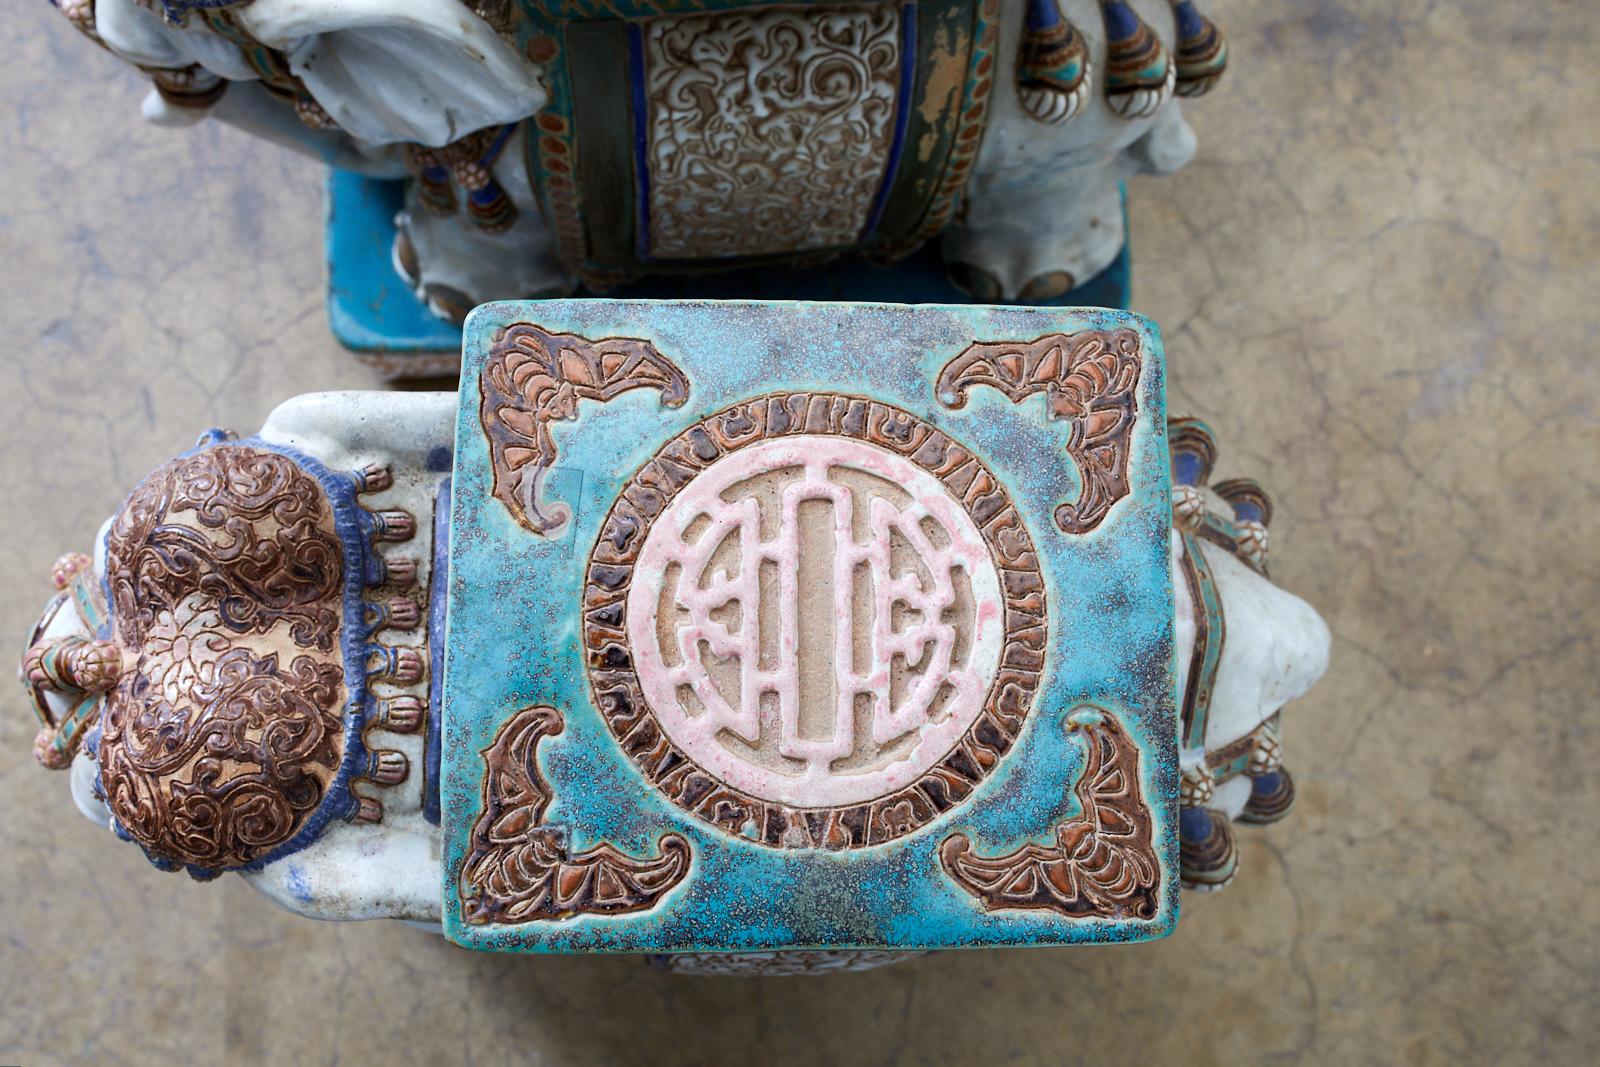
[(1271, 786), (455, 257), (1271, 797), (1037, 223), (1207, 855)]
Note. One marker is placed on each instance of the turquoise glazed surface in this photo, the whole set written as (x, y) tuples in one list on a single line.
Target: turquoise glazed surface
[(516, 634), (372, 310)]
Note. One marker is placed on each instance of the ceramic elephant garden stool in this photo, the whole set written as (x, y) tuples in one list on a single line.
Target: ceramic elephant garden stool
[(547, 142), (676, 633)]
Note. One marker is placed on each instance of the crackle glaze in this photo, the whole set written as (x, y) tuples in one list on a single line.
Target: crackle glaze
[(753, 663), (745, 133)]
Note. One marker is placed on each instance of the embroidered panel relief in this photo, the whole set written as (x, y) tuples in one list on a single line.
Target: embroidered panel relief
[(225, 735), (767, 131)]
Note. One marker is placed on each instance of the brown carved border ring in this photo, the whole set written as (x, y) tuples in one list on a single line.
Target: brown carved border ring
[(615, 685)]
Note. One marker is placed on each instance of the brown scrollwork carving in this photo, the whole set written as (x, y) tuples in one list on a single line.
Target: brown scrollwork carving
[(1090, 378), (260, 548), (1101, 864), (520, 869), (534, 378), (225, 575)]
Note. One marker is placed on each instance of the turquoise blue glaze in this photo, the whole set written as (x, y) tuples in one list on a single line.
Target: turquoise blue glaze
[(514, 631), (370, 308)]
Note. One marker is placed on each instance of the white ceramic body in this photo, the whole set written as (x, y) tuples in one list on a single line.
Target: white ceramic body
[(1277, 648), (1042, 206)]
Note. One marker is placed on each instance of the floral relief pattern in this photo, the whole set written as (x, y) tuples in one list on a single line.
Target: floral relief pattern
[(225, 575), (535, 378), (768, 131)]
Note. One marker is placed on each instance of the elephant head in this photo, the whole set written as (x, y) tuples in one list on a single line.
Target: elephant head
[(1246, 649), (239, 680)]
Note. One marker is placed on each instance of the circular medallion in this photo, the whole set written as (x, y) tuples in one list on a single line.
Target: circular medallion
[(814, 620)]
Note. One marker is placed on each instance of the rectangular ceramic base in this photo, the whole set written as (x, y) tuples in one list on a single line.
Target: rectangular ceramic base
[(808, 625), (374, 313)]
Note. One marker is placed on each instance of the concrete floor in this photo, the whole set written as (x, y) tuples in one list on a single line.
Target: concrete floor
[(1378, 283)]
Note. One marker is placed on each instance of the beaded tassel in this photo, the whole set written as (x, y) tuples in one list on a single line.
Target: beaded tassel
[(468, 163), (490, 208), (1139, 73), (1202, 53), (433, 186), (488, 204), (1053, 65)]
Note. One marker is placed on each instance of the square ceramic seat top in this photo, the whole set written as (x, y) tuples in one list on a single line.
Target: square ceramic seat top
[(792, 625)]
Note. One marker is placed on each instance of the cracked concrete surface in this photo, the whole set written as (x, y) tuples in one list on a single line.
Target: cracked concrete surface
[(1378, 283)]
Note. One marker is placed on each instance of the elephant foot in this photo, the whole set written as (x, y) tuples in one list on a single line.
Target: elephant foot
[(983, 286), (1035, 249), (445, 302), (1207, 856), (453, 265), (1271, 797)]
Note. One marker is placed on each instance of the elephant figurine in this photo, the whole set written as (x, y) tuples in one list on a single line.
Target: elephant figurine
[(249, 674), (1245, 649), (547, 143)]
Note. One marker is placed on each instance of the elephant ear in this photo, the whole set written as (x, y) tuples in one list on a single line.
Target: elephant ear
[(414, 71), (138, 35)]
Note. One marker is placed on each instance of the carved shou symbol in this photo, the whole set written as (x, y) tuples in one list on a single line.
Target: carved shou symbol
[(1100, 863), (520, 868), (533, 378), (814, 621), (1089, 378)]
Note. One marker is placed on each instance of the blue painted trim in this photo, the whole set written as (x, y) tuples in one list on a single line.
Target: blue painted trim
[(1188, 20), (1042, 15), (1245, 511), (438, 584), (902, 119), (1266, 784), (498, 144), (641, 143), (490, 192), (1120, 21), (176, 10), (1194, 824), (355, 527), (1187, 468)]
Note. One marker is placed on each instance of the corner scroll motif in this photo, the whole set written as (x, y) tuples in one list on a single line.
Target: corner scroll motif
[(521, 870), (534, 378), (1102, 863), (1089, 378)]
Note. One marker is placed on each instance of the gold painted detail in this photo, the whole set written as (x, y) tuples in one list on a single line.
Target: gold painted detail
[(225, 576)]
